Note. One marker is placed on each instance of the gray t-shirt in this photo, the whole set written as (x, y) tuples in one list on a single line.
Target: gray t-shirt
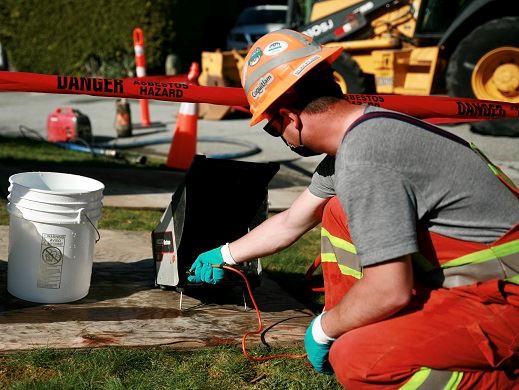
[(392, 177)]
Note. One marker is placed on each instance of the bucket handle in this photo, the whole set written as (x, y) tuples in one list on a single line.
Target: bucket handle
[(81, 212)]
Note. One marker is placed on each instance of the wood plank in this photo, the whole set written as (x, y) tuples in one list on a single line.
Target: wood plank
[(123, 308)]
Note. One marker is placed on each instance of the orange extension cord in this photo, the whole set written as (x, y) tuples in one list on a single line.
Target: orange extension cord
[(260, 326)]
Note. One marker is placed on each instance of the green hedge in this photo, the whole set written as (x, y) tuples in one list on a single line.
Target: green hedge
[(94, 37)]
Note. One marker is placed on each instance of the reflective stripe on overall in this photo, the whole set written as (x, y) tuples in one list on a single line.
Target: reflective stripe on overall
[(442, 262), (494, 261)]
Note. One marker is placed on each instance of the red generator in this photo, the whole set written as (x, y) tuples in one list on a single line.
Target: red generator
[(66, 124)]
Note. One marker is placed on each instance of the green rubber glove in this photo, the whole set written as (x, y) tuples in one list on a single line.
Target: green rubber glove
[(202, 271), (318, 350)]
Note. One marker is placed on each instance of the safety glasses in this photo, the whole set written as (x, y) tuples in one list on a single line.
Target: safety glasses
[(271, 127)]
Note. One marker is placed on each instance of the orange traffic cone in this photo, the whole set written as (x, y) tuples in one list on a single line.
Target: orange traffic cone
[(183, 146)]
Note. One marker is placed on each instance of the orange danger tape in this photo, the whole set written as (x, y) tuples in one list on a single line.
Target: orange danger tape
[(434, 109), (440, 109), (134, 88)]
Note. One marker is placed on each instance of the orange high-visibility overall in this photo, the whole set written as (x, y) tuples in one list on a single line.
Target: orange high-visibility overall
[(461, 329)]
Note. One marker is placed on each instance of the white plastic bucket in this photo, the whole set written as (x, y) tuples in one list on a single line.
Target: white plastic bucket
[(52, 232)]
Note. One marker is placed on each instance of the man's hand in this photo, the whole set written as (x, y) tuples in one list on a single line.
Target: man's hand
[(202, 269), (317, 346)]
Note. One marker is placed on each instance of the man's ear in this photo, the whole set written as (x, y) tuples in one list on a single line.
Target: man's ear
[(291, 117)]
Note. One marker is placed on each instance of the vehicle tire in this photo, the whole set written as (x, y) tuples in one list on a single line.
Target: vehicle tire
[(498, 127), (475, 65), (349, 75)]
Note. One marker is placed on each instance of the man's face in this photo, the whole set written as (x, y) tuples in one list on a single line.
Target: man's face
[(284, 118), (287, 124), (277, 122)]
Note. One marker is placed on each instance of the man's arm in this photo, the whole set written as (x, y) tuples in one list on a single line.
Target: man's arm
[(281, 230), (383, 290)]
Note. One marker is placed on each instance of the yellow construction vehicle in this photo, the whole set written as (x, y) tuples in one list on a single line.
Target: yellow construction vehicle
[(465, 48)]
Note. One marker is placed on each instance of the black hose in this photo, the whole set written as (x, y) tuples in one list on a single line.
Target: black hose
[(110, 149), (250, 150)]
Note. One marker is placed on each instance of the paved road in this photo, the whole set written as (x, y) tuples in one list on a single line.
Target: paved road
[(32, 109)]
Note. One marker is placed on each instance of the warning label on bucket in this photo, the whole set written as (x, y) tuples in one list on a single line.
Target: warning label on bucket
[(52, 249)]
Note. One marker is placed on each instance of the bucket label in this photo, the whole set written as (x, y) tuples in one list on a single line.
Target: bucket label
[(52, 249)]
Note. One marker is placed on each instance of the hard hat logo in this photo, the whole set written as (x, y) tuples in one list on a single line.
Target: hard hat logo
[(255, 57), (275, 48), (262, 86), (299, 70)]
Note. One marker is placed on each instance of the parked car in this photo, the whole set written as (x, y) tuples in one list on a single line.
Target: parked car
[(254, 22)]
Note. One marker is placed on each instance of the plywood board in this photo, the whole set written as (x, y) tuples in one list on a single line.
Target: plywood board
[(123, 307)]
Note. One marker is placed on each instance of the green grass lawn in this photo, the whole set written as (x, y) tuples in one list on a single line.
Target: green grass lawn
[(125, 368), (34, 150), (222, 367)]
